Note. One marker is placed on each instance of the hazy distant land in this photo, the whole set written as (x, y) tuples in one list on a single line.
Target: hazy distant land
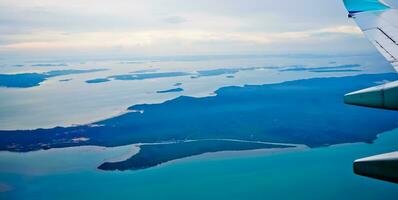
[(338, 68), (335, 70), (309, 112), (143, 76), (229, 72), (170, 90), (65, 80), (26, 80), (50, 65), (98, 80)]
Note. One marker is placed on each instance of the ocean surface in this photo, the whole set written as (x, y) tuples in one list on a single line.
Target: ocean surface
[(320, 173), (69, 99), (71, 173)]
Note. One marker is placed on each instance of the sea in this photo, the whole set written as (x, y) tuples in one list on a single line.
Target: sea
[(71, 173)]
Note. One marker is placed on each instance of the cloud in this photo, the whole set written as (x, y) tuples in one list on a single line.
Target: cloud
[(174, 26), (55, 40)]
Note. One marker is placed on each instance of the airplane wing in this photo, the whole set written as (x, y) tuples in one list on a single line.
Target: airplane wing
[(378, 19)]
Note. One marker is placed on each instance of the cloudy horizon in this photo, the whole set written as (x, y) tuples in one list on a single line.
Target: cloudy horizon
[(78, 28)]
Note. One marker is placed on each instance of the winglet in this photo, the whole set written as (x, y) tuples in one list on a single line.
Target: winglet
[(356, 6)]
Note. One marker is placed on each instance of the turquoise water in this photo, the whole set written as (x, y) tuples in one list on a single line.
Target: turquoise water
[(322, 173)]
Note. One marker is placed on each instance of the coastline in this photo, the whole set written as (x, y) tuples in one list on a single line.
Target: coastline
[(134, 124), (150, 156), (235, 154), (133, 150), (126, 108), (250, 174)]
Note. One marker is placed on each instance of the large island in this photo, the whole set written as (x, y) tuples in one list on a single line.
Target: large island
[(309, 112)]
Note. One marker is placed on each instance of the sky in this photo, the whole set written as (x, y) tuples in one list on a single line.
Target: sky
[(121, 28)]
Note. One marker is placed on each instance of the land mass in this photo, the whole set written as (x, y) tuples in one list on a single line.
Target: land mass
[(26, 80), (229, 72), (309, 112), (98, 80), (143, 76), (338, 68), (50, 65), (170, 90), (153, 155)]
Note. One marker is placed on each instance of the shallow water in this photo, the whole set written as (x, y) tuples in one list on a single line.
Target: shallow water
[(70, 173), (321, 173)]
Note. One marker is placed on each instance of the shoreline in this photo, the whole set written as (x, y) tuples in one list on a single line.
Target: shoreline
[(134, 149), (232, 154), (125, 109), (114, 164)]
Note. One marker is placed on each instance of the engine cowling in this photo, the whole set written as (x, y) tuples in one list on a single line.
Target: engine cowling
[(383, 96)]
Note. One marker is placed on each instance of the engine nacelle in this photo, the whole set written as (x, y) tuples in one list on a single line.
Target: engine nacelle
[(382, 96), (383, 167)]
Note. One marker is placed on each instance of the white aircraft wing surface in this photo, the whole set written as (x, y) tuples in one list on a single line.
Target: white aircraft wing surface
[(379, 21)]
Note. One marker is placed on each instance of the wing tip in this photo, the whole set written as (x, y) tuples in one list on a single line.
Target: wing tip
[(357, 6)]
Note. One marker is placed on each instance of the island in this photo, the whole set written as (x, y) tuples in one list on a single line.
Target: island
[(162, 153), (65, 80), (26, 80), (145, 71), (170, 90), (338, 68), (229, 72), (217, 72), (143, 76), (335, 70), (98, 80), (50, 65)]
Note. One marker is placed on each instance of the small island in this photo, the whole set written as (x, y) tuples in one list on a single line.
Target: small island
[(98, 80), (338, 68), (143, 76), (170, 90), (153, 155), (217, 72), (335, 70), (50, 65), (26, 80)]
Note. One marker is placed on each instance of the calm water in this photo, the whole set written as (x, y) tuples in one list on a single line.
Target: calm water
[(322, 173), (77, 102)]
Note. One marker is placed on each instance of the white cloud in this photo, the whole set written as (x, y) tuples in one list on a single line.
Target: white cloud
[(173, 26), (59, 40)]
